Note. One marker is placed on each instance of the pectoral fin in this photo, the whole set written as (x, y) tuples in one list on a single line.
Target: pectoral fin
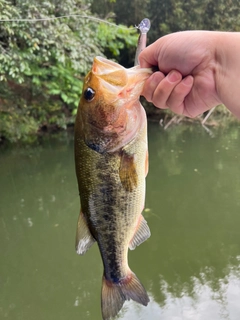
[(128, 172), (84, 239), (141, 234)]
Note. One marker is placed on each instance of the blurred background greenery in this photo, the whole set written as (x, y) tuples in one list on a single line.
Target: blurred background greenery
[(43, 63)]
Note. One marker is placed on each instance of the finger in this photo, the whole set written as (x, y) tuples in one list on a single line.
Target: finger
[(151, 84), (148, 58), (164, 89), (176, 101)]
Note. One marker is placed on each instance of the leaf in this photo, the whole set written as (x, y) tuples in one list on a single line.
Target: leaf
[(64, 97)]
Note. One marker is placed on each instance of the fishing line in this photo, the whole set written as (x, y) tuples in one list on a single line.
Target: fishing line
[(68, 16)]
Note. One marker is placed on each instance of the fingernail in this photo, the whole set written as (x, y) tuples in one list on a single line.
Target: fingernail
[(156, 77), (174, 76), (188, 80)]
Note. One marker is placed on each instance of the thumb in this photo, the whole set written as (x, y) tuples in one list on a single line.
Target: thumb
[(147, 57)]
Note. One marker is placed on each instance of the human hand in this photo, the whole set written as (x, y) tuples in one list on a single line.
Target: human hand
[(186, 82)]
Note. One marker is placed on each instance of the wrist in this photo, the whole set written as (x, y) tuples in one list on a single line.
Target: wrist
[(227, 69)]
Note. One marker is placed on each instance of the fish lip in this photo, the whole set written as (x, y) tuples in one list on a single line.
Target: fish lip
[(135, 77), (130, 71), (109, 62)]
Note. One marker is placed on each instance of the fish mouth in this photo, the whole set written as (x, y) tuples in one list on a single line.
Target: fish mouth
[(114, 118), (119, 82), (104, 66)]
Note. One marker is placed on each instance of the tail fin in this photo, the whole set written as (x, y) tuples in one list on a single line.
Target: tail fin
[(114, 294)]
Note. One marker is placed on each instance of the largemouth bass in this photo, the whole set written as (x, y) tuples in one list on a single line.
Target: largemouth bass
[(111, 157)]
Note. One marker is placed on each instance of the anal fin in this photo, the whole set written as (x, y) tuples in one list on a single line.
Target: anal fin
[(141, 234), (84, 239)]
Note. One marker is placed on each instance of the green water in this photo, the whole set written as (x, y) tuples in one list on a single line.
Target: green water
[(191, 264)]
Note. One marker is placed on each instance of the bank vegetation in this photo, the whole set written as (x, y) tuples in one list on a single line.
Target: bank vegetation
[(47, 47)]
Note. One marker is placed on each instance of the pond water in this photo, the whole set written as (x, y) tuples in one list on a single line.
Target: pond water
[(190, 266)]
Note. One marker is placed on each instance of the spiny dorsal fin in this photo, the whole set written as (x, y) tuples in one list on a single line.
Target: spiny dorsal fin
[(128, 172), (141, 234), (84, 239)]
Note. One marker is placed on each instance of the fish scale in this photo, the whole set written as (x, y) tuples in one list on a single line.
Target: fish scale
[(112, 200)]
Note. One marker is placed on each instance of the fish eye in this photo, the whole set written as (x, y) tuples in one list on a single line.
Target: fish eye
[(89, 94)]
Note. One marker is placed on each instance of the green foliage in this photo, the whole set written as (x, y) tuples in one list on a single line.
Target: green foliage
[(117, 41), (43, 63), (125, 12), (173, 15)]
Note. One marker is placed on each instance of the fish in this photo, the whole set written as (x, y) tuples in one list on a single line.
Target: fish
[(111, 161)]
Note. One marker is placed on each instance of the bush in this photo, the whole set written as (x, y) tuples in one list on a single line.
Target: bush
[(43, 63)]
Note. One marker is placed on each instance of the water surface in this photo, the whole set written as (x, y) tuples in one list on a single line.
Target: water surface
[(191, 264)]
